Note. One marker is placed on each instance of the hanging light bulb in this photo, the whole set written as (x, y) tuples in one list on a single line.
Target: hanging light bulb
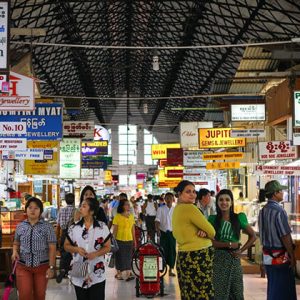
[(155, 61)]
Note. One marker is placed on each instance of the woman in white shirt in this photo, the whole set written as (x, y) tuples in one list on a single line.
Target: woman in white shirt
[(89, 240)]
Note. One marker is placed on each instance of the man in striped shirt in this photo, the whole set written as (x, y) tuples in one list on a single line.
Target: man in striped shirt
[(275, 236)]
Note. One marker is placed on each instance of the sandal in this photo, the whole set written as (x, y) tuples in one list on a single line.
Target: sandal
[(119, 277)]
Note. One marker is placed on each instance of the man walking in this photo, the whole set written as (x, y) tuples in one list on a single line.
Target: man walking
[(204, 203), (163, 224), (278, 253)]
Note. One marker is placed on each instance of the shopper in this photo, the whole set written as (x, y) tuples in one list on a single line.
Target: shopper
[(88, 240), (195, 253), (163, 224), (123, 231), (278, 251), (89, 192), (204, 203), (227, 269), (149, 210), (34, 248)]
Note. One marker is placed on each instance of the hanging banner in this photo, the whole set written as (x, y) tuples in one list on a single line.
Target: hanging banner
[(248, 133), (297, 108), (49, 165), (4, 35), (12, 144), (82, 129), (223, 165), (189, 133), (94, 148), (248, 112), (277, 150), (44, 123), (174, 157), (218, 138), (278, 170), (159, 151), (70, 158), (20, 96), (223, 156), (193, 158)]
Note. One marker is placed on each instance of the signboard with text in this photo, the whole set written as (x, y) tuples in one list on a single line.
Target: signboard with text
[(101, 133), (12, 128), (193, 158), (12, 144), (223, 165), (223, 156), (4, 35), (297, 108), (248, 133), (278, 170), (94, 148), (277, 150), (174, 156), (159, 151), (30, 154), (83, 129), (218, 138), (248, 112)]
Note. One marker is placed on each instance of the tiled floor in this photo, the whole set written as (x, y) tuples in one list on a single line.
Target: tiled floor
[(255, 289)]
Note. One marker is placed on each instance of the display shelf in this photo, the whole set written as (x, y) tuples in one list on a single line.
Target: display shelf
[(10, 220)]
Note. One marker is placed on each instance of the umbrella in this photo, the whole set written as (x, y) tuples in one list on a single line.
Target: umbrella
[(9, 284)]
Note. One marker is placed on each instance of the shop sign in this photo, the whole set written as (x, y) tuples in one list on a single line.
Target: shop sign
[(159, 151), (31, 154), (174, 157), (70, 158), (277, 150), (189, 133), (218, 138), (84, 129), (12, 144), (174, 173), (193, 158), (94, 164), (223, 156), (278, 170), (20, 95), (168, 184), (248, 112), (107, 175), (248, 133), (94, 148), (101, 133), (44, 123), (296, 138), (223, 165), (15, 128), (49, 165), (297, 108), (4, 35), (162, 176)]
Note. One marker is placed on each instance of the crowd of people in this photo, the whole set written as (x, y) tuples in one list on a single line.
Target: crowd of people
[(199, 233)]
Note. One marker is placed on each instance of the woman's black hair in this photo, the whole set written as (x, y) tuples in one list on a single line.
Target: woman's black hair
[(120, 208), (87, 188), (233, 217), (37, 201), (261, 196), (181, 186), (93, 205)]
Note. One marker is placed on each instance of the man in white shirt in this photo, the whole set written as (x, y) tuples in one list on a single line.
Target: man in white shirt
[(163, 225)]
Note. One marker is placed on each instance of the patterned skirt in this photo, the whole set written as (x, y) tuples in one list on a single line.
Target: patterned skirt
[(227, 276), (194, 269)]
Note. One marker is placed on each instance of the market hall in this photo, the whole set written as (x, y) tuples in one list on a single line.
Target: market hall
[(149, 148)]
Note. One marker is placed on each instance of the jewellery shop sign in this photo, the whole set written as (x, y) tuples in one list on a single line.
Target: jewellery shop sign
[(278, 170), (44, 123), (277, 150)]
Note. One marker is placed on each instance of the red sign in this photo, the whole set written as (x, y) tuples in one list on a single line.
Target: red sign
[(174, 156), (174, 173)]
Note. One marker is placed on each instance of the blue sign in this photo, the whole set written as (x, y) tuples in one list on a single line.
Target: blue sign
[(44, 123)]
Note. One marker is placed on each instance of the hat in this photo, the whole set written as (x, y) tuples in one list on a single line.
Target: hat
[(274, 186)]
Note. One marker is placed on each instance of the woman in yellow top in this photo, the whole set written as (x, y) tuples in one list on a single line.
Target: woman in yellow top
[(123, 231), (195, 253)]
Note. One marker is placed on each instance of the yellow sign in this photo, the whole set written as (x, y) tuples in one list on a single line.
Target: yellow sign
[(162, 177), (223, 165), (218, 138), (168, 184), (159, 151), (42, 167), (107, 175), (95, 144), (223, 156)]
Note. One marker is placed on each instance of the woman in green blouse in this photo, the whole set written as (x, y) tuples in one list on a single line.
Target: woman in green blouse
[(227, 270)]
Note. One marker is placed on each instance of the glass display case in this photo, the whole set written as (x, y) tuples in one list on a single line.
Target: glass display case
[(10, 219), (294, 220)]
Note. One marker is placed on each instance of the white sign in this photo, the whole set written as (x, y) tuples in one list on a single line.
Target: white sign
[(21, 94), (248, 112), (7, 128), (248, 133), (12, 144), (296, 138), (70, 158), (277, 150), (84, 129), (297, 108), (278, 170), (193, 158), (30, 154), (101, 134), (189, 133), (4, 34)]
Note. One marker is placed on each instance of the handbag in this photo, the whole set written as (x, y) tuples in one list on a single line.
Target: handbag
[(114, 247), (275, 256), (79, 269)]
